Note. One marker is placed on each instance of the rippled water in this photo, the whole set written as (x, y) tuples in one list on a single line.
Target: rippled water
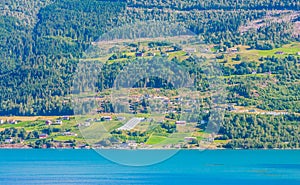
[(186, 167)]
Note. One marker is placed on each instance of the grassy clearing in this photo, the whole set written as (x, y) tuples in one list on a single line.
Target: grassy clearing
[(66, 138), (155, 140), (112, 125), (28, 118), (175, 138), (254, 55)]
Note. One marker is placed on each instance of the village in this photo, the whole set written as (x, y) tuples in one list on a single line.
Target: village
[(150, 118)]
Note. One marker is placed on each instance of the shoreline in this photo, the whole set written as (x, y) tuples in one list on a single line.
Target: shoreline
[(145, 149)]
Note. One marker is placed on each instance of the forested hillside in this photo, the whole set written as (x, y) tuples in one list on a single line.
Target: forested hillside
[(255, 42), (218, 4), (42, 41)]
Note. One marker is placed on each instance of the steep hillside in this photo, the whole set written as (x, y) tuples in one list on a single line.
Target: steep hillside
[(42, 40)]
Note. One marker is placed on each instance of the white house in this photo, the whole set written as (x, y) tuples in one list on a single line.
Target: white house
[(190, 50), (1, 121), (43, 136), (8, 140), (58, 122), (48, 122), (106, 118), (12, 121), (66, 118), (121, 118), (180, 122)]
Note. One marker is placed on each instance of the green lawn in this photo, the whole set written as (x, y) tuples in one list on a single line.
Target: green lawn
[(254, 55), (19, 125), (66, 138), (155, 140), (175, 138)]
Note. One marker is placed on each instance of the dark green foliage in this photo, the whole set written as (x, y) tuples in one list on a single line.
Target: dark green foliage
[(259, 131), (37, 63)]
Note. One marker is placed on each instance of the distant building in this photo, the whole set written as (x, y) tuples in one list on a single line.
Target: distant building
[(131, 141), (48, 122), (121, 118), (124, 145), (233, 50), (1, 121), (86, 124), (190, 50), (8, 140), (180, 122), (66, 118), (231, 108), (58, 122), (209, 139), (279, 53), (139, 54), (164, 54), (134, 145), (69, 134), (151, 54), (190, 139), (12, 122), (43, 136), (106, 118)]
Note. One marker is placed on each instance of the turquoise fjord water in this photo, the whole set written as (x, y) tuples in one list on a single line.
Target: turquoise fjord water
[(186, 167)]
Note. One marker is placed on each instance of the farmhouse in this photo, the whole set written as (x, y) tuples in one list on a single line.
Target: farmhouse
[(151, 54), (190, 50), (279, 53), (66, 118), (58, 122), (1, 121), (12, 122), (8, 140), (139, 54), (164, 54), (106, 118), (48, 122), (190, 139), (180, 122), (43, 136), (121, 118), (69, 134)]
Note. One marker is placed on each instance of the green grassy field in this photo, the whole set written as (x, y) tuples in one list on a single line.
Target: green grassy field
[(254, 55), (153, 140)]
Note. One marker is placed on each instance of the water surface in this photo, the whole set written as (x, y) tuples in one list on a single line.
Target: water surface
[(186, 167)]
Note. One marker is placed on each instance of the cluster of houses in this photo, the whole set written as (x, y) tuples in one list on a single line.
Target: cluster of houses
[(47, 122), (58, 121), (87, 122), (8, 121), (160, 103), (129, 144)]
